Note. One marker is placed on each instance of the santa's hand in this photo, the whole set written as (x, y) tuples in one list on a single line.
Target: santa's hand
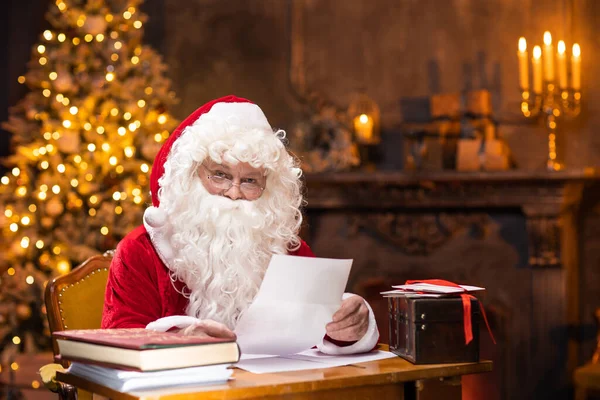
[(351, 321), (208, 328)]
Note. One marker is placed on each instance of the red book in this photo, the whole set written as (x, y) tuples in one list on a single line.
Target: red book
[(144, 350)]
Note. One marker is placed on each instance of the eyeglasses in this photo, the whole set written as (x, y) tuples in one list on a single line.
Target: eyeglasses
[(221, 182)]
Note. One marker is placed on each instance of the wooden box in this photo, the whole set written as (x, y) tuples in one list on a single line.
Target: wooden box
[(431, 330)]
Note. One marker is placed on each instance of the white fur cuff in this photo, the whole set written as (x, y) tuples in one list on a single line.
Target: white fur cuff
[(174, 321), (366, 343)]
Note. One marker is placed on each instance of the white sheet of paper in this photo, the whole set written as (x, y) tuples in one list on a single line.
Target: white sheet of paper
[(315, 355), (309, 359), (297, 298)]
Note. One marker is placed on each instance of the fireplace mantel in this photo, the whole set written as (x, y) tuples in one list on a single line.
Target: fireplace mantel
[(532, 191)]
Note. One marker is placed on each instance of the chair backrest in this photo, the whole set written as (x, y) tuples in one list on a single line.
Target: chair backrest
[(75, 300)]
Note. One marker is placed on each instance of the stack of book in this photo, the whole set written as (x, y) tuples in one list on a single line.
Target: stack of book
[(430, 290), (140, 359)]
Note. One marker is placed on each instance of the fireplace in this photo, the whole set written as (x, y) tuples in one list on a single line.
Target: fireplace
[(515, 233)]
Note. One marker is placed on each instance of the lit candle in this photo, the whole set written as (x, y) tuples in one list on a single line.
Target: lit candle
[(576, 67), (363, 126), (562, 65), (537, 69), (548, 58), (523, 64)]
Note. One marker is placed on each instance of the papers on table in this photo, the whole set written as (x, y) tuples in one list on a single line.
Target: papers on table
[(126, 381), (297, 298), (309, 359), (422, 289)]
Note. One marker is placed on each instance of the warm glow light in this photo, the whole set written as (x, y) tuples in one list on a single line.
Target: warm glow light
[(116, 196), (44, 188), (47, 135), (42, 196), (32, 207), (92, 212), (55, 135), (88, 38), (56, 189), (137, 199), (561, 47), (89, 177), (108, 17), (87, 126), (61, 37), (42, 151), (16, 171), (39, 244), (119, 169), (73, 110), (547, 38), (110, 77), (537, 52), (29, 280), (144, 167), (141, 103), (576, 50), (46, 92), (16, 339), (25, 220), (60, 168), (35, 384), (137, 24), (112, 160), (56, 250), (76, 41), (43, 60), (93, 199), (63, 266), (126, 15), (162, 119), (114, 112), (114, 57), (91, 147), (135, 60), (118, 210), (21, 79), (11, 271), (132, 127), (128, 151), (66, 123), (100, 130), (122, 131), (41, 49), (522, 44), (100, 37), (50, 148), (105, 146), (77, 158), (74, 182), (364, 118), (148, 90), (104, 230), (14, 366), (48, 35), (127, 116), (5, 180), (8, 213), (118, 45), (14, 227), (52, 75), (157, 137), (21, 191)]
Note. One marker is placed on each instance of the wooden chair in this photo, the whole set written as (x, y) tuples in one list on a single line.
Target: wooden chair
[(587, 377), (75, 301)]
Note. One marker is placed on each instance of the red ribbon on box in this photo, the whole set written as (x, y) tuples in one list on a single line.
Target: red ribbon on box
[(466, 301)]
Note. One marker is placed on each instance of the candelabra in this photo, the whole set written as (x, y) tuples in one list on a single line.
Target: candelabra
[(551, 104)]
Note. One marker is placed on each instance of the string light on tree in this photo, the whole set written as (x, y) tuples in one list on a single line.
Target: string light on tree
[(76, 166)]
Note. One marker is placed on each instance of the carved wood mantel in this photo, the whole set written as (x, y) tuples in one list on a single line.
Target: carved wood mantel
[(418, 212)]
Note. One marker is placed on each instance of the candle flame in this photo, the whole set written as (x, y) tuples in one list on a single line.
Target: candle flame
[(522, 44), (364, 118), (561, 47), (547, 38), (576, 50), (537, 52)]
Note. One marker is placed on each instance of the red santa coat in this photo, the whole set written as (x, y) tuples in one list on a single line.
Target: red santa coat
[(139, 288)]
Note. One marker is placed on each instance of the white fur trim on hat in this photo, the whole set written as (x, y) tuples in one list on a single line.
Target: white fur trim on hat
[(248, 114)]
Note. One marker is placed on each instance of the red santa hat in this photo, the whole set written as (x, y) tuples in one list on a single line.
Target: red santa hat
[(248, 113)]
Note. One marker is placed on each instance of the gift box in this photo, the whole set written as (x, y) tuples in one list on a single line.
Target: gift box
[(432, 330)]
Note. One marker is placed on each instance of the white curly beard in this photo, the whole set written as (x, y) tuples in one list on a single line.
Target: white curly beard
[(221, 250)]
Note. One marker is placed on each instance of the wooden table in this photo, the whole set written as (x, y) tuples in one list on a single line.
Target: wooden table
[(392, 378)]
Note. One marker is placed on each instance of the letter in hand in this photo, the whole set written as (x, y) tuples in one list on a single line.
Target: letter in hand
[(209, 328), (351, 321)]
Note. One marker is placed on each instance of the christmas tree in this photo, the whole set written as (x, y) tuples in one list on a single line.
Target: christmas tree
[(84, 138)]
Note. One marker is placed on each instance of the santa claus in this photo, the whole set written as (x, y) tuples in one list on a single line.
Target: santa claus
[(226, 196)]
